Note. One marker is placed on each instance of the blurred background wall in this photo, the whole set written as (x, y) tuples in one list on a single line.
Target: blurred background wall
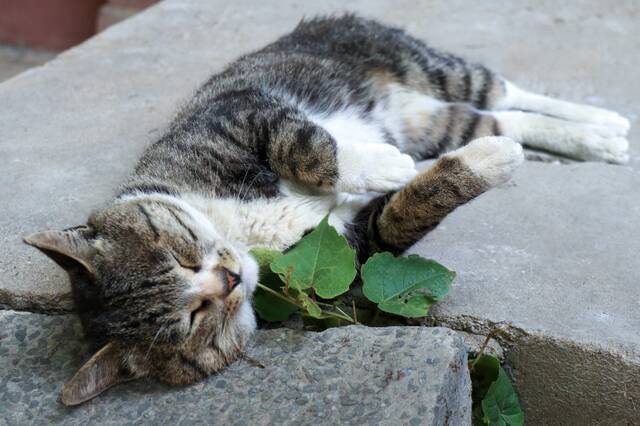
[(34, 31)]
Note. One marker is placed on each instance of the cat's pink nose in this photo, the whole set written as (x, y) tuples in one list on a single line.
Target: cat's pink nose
[(219, 284), (231, 279)]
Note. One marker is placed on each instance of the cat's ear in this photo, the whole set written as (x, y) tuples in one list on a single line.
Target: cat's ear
[(67, 248), (103, 370)]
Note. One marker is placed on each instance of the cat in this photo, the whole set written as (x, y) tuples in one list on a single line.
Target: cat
[(329, 119)]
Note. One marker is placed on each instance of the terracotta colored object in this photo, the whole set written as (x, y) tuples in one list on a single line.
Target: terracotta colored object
[(50, 24)]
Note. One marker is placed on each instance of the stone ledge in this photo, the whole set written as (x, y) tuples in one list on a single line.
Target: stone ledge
[(553, 255), (350, 375)]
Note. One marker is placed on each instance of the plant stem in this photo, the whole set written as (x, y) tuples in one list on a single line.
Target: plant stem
[(279, 295), (484, 345), (335, 315), (287, 278), (345, 314), (295, 303)]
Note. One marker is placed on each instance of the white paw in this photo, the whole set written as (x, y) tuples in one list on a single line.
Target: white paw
[(492, 158), (586, 142), (611, 150), (617, 125), (365, 167)]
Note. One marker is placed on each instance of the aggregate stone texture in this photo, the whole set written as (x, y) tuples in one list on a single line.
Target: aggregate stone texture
[(349, 375)]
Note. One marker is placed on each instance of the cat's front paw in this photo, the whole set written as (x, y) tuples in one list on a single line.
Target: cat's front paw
[(365, 167), (494, 159)]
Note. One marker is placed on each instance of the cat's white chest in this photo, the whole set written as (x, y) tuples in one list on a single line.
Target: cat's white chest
[(278, 222), (275, 223)]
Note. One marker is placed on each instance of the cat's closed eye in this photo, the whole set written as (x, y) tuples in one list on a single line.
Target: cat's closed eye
[(186, 264)]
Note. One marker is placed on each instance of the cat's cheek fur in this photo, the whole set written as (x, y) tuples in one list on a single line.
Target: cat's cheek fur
[(249, 274), (246, 318)]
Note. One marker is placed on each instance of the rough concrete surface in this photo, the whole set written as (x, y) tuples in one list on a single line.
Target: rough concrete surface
[(350, 375), (553, 253)]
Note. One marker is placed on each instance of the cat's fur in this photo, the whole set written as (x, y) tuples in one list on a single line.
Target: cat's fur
[(327, 119)]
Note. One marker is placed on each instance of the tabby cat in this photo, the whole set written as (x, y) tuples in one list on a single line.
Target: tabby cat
[(328, 119)]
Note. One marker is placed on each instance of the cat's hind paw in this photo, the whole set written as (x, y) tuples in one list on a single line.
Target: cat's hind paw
[(365, 167), (494, 159), (586, 114), (611, 150)]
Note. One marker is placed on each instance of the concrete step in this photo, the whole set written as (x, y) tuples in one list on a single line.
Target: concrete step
[(553, 258), (554, 255), (350, 375)]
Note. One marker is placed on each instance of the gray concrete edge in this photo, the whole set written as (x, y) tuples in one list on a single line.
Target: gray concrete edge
[(557, 378)]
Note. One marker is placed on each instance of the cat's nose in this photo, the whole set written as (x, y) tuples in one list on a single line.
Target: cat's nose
[(219, 283), (231, 279)]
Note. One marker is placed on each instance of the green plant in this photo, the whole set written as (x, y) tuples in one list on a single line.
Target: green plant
[(495, 402), (307, 278)]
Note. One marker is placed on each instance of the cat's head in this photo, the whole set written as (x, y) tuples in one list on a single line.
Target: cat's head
[(168, 295)]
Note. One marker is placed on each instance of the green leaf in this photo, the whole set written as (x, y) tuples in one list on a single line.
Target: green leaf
[(484, 372), (405, 286), (307, 303), (268, 306), (500, 406), (322, 260), (264, 257)]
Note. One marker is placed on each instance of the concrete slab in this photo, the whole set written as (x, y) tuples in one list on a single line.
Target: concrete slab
[(351, 375), (554, 254)]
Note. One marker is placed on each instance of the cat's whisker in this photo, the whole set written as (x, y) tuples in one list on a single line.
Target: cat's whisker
[(162, 327)]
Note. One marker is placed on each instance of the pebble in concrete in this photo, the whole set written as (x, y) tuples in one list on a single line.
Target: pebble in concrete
[(349, 375)]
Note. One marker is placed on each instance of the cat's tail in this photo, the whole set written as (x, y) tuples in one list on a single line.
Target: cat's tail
[(395, 221)]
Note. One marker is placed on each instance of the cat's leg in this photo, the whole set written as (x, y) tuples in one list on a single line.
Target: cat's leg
[(432, 127), (308, 154), (450, 78), (580, 141), (396, 221), (578, 131), (515, 98)]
